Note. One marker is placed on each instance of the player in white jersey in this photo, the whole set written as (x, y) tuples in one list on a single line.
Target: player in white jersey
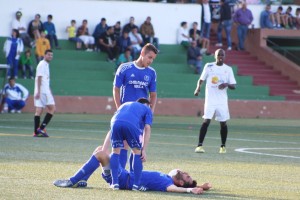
[(43, 96), (218, 77)]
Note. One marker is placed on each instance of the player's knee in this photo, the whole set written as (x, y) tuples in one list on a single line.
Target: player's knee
[(223, 124), (206, 122)]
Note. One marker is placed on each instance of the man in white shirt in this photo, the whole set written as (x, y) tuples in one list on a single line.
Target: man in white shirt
[(218, 77), (15, 96), (206, 19), (19, 24), (43, 96), (136, 42), (183, 37)]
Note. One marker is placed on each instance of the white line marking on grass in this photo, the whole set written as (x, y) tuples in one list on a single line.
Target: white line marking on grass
[(246, 150)]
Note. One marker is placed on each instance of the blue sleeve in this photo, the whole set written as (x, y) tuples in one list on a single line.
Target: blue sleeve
[(119, 78), (152, 85), (149, 117)]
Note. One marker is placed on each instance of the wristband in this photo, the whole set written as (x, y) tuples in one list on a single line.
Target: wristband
[(189, 190)]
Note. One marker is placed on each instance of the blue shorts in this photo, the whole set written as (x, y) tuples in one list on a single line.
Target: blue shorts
[(125, 182), (121, 131)]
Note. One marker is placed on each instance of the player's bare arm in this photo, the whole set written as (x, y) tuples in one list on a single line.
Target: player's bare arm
[(146, 139), (174, 188), (224, 85), (198, 88), (39, 83), (116, 95), (153, 99)]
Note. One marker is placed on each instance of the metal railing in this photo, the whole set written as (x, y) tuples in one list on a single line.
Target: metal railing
[(286, 53)]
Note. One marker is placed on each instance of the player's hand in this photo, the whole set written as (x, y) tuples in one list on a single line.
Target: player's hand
[(197, 190), (196, 93), (143, 156), (222, 86), (37, 96), (206, 186)]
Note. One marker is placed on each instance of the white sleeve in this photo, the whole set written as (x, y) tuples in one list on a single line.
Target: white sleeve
[(204, 73), (24, 91), (231, 77)]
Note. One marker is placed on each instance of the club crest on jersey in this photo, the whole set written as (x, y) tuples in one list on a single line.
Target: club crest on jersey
[(132, 75), (146, 78)]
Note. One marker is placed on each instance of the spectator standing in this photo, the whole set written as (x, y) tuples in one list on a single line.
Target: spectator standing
[(13, 47), (35, 27), (194, 57), (108, 43), (206, 20), (266, 18), (243, 18), (225, 23), (128, 27), (26, 64), (71, 30), (136, 42), (51, 32), (42, 44), (100, 28), (147, 32), (15, 96), (19, 24), (183, 37)]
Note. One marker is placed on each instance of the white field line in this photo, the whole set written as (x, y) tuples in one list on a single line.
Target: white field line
[(248, 150)]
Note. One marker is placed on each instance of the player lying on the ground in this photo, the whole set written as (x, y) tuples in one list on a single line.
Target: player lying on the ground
[(175, 181)]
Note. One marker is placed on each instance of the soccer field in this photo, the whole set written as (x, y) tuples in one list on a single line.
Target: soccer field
[(262, 160)]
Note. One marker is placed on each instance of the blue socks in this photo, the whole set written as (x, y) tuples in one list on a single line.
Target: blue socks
[(86, 170), (123, 158), (114, 166), (137, 169)]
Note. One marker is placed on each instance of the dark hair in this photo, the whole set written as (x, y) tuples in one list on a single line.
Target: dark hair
[(84, 20), (127, 49), (73, 21), (183, 23), (38, 15), (103, 19), (143, 101), (187, 185), (150, 47), (50, 16), (280, 8), (11, 78), (27, 51), (48, 50), (17, 32)]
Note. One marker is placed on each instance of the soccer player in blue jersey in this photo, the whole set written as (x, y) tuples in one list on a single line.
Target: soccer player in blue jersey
[(135, 80), (175, 181), (128, 124)]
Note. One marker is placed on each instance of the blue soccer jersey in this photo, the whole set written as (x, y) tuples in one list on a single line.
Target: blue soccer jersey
[(134, 82), (151, 180), (134, 113), (128, 124)]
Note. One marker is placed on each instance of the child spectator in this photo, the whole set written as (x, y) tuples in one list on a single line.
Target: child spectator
[(13, 47), (26, 64), (83, 34), (51, 32), (42, 44), (71, 30)]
